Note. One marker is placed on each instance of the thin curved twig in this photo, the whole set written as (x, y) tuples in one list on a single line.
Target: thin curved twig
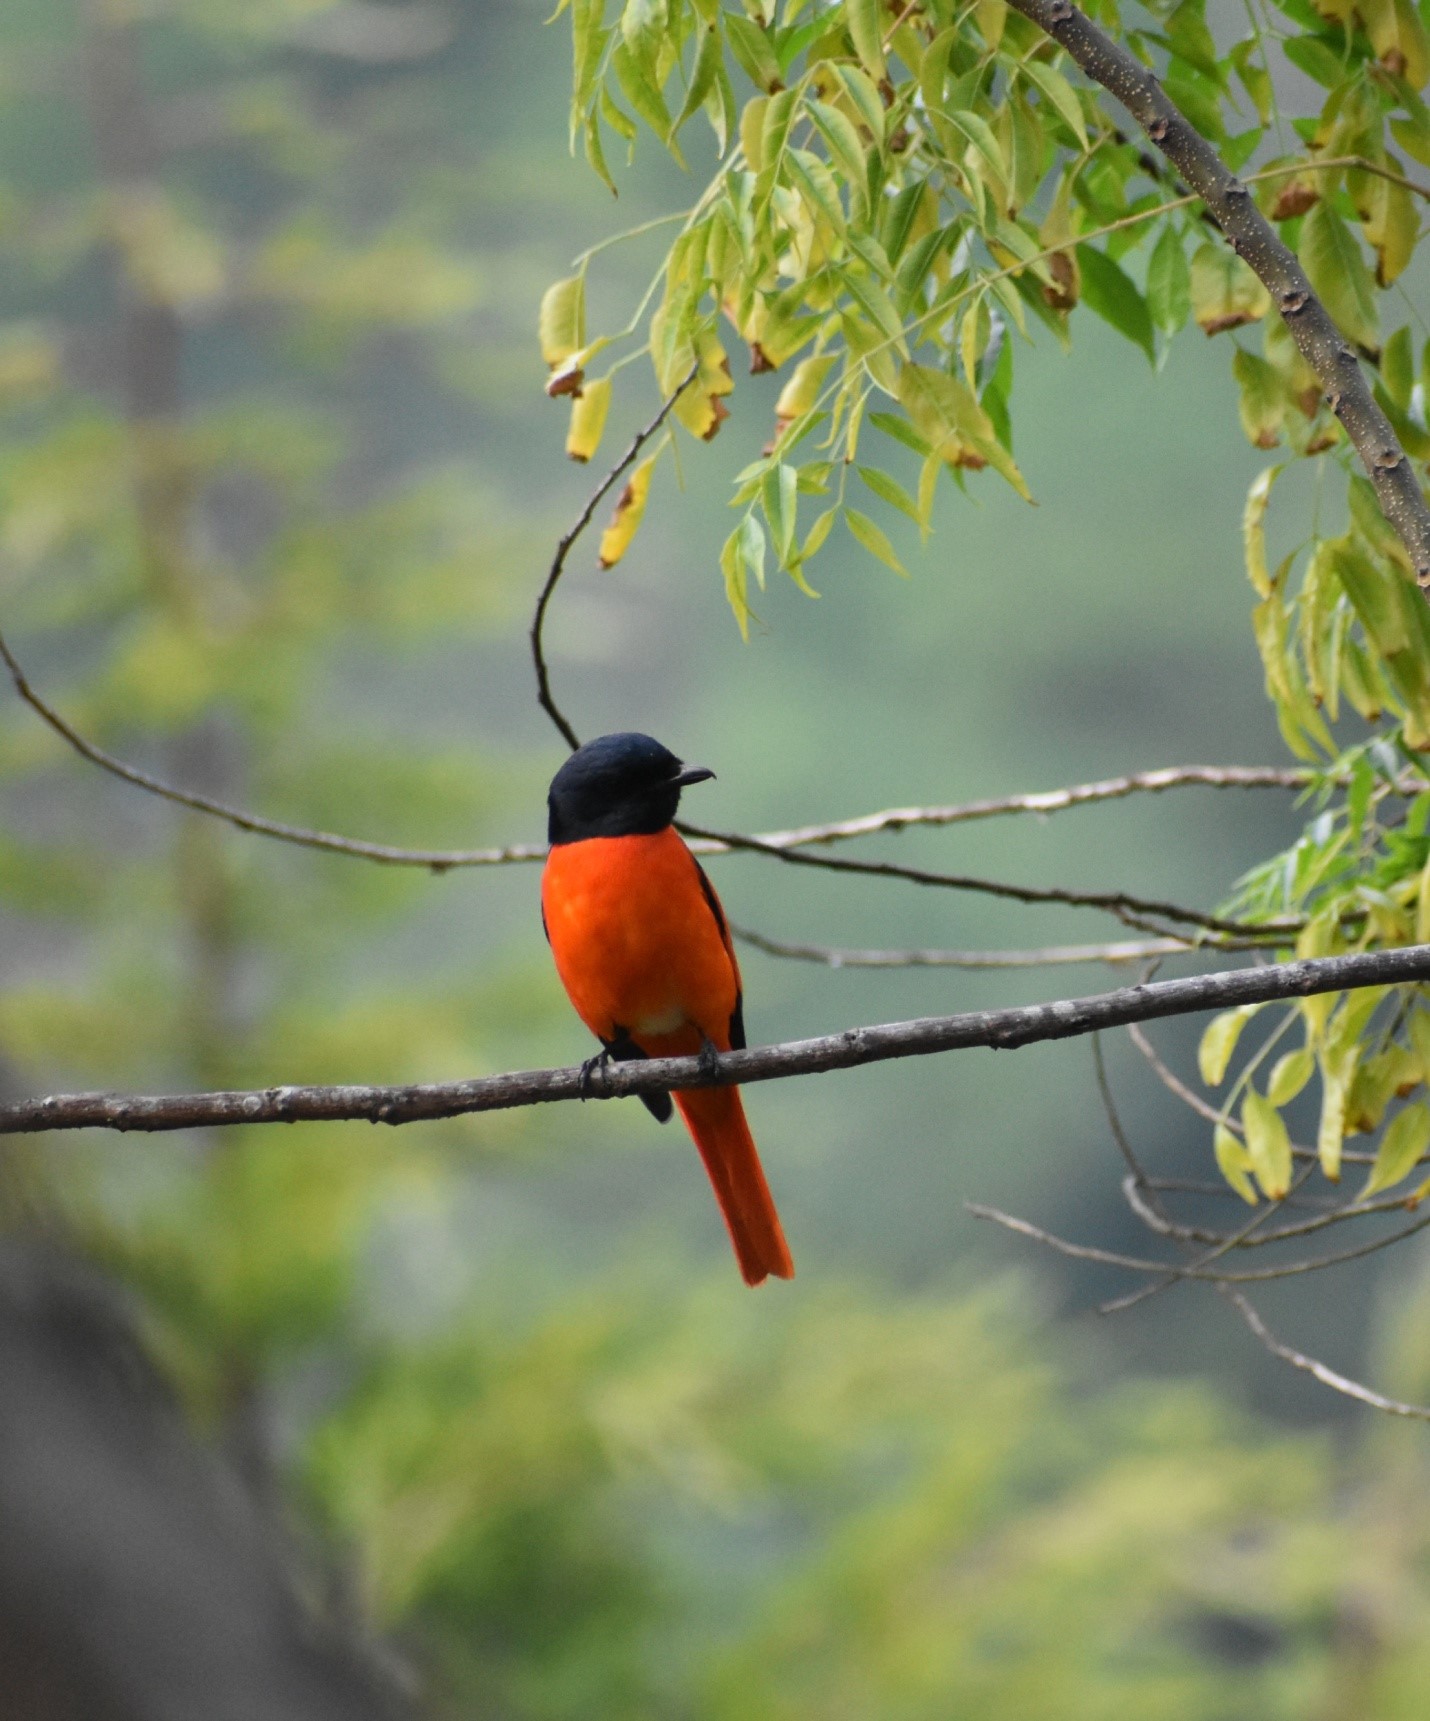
[(1049, 800), (544, 696), (444, 860), (1154, 1213), (439, 860), (1132, 910), (1174, 1271), (1327, 1376), (1053, 955), (1126, 907)]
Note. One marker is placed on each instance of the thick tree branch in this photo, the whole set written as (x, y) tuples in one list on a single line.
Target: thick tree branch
[(1252, 237), (999, 1029)]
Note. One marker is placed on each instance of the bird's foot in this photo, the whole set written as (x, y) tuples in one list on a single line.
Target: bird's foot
[(601, 1062), (709, 1057)]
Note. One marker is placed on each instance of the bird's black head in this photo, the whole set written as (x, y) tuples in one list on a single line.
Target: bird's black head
[(617, 786)]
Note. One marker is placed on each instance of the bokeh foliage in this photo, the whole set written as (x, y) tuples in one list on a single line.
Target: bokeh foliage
[(628, 1498)]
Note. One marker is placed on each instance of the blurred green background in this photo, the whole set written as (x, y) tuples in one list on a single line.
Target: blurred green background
[(278, 485)]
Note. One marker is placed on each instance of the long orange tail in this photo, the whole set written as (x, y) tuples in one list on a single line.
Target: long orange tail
[(716, 1119)]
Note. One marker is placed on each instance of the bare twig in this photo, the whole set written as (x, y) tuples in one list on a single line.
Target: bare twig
[(1171, 1271), (1053, 955), (1137, 911), (998, 1029), (1049, 800), (437, 859), (1253, 239), (1309, 1365), (443, 860), (545, 698), (1153, 1213)]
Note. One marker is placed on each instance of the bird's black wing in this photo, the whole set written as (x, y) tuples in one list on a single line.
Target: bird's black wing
[(737, 1015)]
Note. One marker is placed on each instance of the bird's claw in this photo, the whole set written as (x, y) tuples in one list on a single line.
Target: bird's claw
[(709, 1057), (601, 1062)]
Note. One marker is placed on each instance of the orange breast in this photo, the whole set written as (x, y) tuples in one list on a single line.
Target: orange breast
[(637, 944)]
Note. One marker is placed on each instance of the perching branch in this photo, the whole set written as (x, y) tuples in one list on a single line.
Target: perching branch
[(1252, 237), (998, 1029)]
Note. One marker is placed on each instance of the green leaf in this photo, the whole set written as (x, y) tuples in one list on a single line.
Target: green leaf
[(1406, 1138), (864, 93), (642, 94), (948, 416), (1311, 55), (888, 489), (1060, 94), (737, 587), (845, 150), (1333, 260), (873, 540), (702, 76), (817, 185), (752, 547), (1110, 292), (753, 49), (1264, 399), (1169, 283), (867, 33), (779, 499), (901, 431), (976, 129), (877, 306), (1268, 1146)]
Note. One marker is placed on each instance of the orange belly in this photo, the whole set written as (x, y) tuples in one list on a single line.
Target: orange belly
[(637, 944)]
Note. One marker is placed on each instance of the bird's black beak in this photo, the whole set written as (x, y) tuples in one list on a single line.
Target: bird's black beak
[(693, 774)]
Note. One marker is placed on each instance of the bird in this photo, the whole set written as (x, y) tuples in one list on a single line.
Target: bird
[(643, 949)]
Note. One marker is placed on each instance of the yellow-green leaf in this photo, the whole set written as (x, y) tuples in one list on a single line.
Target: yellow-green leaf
[(1335, 265), (873, 540), (1218, 1042), (1268, 1146), (1406, 1138), (1225, 293), (630, 510), (1290, 1075), (561, 324), (588, 418), (1234, 1163)]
